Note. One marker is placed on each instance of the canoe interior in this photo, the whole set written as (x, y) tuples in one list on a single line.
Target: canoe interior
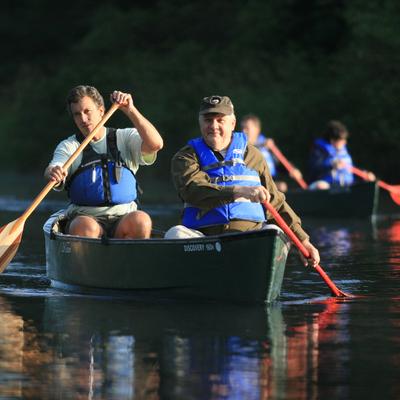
[(238, 267)]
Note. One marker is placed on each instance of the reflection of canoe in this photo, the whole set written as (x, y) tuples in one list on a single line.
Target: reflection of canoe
[(179, 351), (359, 201), (244, 267)]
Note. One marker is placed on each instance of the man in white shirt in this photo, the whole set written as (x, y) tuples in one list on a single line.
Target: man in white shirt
[(101, 182)]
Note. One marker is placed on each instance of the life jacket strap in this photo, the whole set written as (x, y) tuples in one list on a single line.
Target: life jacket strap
[(231, 178), (220, 164)]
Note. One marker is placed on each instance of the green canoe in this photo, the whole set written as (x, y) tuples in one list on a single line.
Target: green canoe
[(236, 267), (356, 201)]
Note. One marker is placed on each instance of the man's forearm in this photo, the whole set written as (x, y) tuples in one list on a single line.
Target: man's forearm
[(152, 140)]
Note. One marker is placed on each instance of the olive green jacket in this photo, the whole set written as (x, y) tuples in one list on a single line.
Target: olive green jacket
[(194, 187)]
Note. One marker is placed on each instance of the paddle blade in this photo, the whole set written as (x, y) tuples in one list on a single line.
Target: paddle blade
[(395, 194), (334, 289), (10, 238)]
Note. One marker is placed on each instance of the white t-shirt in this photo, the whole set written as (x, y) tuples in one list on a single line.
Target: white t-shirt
[(129, 144)]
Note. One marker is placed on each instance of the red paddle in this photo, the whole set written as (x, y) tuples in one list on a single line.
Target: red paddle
[(394, 190), (285, 227), (285, 162)]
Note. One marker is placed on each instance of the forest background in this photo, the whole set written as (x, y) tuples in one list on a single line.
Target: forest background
[(295, 63)]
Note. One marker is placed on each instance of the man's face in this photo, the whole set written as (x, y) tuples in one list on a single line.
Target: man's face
[(86, 114), (252, 129), (217, 129)]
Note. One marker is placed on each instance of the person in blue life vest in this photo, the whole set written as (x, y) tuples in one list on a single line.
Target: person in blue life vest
[(251, 126), (222, 179), (330, 161), (101, 182)]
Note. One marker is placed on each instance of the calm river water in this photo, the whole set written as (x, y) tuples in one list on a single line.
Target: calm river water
[(55, 345)]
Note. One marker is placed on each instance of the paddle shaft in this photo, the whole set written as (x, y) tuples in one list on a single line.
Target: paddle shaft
[(285, 227), (285, 162), (364, 175), (67, 164)]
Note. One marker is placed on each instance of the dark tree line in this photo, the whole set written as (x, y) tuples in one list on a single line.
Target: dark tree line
[(295, 63)]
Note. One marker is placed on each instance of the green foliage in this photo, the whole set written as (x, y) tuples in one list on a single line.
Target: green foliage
[(296, 64)]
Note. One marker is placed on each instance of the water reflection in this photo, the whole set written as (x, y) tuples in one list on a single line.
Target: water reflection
[(341, 238), (75, 348), (11, 349), (389, 232), (54, 345)]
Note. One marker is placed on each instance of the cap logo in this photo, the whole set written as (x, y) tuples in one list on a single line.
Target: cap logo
[(215, 100)]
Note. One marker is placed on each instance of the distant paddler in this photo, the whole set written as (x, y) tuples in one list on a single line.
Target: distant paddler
[(330, 160), (251, 126)]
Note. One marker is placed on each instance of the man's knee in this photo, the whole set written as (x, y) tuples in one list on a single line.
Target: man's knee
[(141, 218), (135, 225), (319, 185), (267, 226), (85, 226)]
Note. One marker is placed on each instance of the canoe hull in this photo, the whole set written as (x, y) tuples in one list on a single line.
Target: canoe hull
[(243, 267), (357, 201)]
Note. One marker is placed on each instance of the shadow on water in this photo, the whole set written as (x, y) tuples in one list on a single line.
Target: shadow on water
[(306, 346)]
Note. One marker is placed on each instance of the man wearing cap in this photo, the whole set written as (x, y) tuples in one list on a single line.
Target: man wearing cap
[(222, 179)]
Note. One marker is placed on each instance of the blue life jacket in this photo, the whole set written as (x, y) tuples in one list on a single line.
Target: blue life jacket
[(322, 158), (102, 179), (269, 158), (232, 170)]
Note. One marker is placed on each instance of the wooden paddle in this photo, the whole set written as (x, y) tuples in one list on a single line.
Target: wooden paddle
[(285, 162), (285, 227), (394, 190), (11, 234)]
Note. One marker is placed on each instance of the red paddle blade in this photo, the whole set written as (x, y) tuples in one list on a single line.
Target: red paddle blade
[(344, 294), (10, 238), (394, 192), (334, 289)]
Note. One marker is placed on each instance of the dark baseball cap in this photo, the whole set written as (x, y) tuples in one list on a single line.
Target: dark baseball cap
[(216, 104)]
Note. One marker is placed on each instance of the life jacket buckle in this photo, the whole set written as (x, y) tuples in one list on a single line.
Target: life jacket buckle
[(226, 178), (117, 172), (118, 168)]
